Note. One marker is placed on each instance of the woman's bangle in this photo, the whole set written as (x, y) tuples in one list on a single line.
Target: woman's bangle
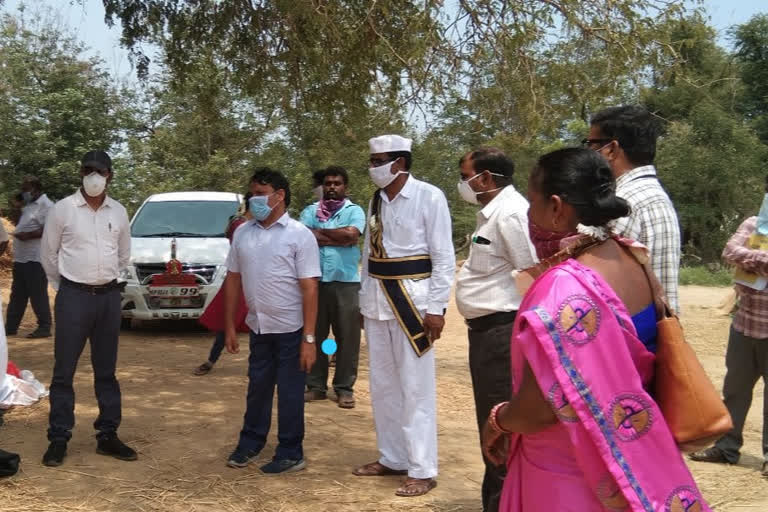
[(494, 420)]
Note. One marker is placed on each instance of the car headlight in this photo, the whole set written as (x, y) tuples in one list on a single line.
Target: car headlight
[(128, 274)]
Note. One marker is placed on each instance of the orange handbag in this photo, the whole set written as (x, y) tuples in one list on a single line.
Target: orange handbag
[(689, 402)]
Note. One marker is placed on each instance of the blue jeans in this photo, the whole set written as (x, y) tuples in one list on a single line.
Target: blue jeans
[(217, 347), (274, 359)]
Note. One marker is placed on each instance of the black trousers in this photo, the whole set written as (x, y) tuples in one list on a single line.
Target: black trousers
[(29, 285), (81, 315), (489, 367), (337, 308)]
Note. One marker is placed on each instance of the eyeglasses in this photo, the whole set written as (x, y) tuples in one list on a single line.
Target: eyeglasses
[(376, 162), (588, 142)]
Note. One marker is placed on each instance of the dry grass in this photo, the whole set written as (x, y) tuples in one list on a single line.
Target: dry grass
[(184, 426)]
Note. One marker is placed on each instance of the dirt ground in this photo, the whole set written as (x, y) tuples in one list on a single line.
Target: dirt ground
[(185, 426)]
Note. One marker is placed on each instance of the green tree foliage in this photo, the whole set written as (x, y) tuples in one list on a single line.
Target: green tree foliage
[(751, 40), (54, 105), (709, 159), (302, 85), (199, 134)]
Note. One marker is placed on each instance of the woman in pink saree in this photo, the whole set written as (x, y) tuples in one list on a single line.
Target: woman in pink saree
[(581, 431)]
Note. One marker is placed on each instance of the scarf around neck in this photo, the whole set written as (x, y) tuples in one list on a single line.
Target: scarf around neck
[(326, 208)]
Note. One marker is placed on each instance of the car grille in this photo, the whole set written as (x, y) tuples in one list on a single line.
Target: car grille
[(205, 273)]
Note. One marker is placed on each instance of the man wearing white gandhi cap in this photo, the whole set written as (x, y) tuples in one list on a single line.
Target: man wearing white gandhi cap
[(408, 266)]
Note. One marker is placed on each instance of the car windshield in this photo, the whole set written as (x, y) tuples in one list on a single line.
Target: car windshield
[(195, 219)]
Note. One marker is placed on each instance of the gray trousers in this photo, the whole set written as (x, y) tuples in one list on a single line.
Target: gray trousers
[(81, 315), (746, 361), (338, 309), (491, 384)]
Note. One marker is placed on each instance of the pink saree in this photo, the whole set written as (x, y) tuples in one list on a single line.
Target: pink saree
[(611, 449)]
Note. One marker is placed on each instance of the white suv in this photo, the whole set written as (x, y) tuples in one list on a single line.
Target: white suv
[(194, 223)]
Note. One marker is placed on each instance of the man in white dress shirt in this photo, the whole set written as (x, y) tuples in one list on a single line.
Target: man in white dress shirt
[(29, 281), (408, 266), (486, 295), (86, 242), (275, 260)]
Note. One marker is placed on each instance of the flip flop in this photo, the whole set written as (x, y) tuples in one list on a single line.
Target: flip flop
[(413, 487), (377, 469)]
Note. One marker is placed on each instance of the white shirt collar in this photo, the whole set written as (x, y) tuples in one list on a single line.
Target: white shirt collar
[(81, 201), (487, 210), (407, 191), (283, 220)]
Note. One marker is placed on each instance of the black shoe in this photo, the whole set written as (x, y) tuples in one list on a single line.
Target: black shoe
[(55, 453), (39, 333), (283, 466), (241, 458), (11, 333), (711, 454), (9, 463), (114, 447)]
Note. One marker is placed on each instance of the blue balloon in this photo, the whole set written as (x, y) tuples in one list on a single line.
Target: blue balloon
[(329, 347)]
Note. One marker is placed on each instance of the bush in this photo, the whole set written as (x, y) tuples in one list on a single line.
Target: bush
[(703, 276)]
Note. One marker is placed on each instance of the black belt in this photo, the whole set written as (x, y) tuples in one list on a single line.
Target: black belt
[(94, 289), (486, 322), (408, 267)]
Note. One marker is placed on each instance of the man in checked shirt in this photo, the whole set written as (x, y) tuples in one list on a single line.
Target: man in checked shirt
[(746, 359), (626, 137)]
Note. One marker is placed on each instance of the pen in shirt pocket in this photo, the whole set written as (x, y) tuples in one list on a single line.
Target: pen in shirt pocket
[(480, 240)]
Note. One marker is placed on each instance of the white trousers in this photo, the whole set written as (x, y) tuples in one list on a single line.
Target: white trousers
[(404, 400)]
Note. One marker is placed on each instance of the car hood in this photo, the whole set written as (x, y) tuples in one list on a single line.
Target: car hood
[(211, 251)]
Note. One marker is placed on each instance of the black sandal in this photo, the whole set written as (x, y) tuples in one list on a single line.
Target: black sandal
[(204, 369)]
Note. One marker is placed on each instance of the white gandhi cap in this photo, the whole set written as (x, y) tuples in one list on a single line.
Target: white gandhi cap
[(389, 144)]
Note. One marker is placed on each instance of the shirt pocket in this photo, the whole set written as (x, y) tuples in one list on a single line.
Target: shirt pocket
[(482, 257), (110, 234)]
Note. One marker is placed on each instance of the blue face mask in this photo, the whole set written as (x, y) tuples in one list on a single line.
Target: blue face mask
[(27, 197), (762, 217), (259, 207)]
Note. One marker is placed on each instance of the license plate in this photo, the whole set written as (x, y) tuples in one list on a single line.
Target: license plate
[(174, 291)]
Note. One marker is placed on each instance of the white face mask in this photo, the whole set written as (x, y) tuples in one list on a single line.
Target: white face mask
[(469, 195), (382, 175), (318, 192), (94, 184)]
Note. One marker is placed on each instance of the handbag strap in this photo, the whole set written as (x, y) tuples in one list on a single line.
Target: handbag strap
[(659, 297)]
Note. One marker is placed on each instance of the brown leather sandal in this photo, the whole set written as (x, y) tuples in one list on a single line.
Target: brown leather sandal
[(377, 469), (416, 487), (346, 401)]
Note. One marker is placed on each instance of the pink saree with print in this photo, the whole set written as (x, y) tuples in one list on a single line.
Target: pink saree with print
[(611, 449)]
